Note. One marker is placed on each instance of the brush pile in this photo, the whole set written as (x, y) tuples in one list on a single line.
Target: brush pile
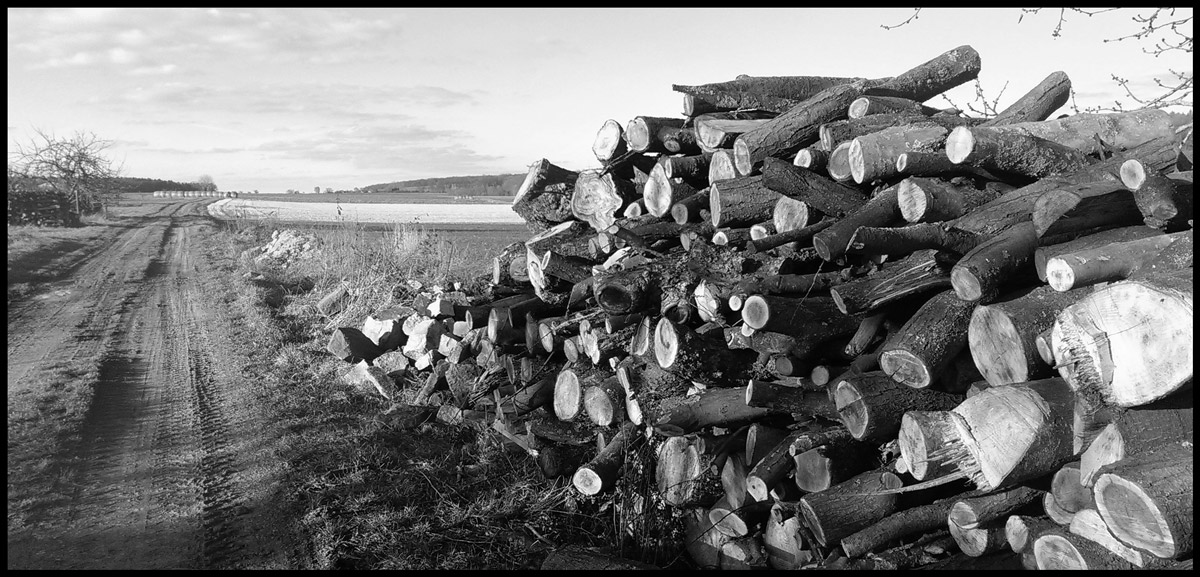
[(849, 329)]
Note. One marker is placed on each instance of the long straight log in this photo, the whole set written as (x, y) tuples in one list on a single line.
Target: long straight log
[(924, 199), (1085, 132), (919, 272), (1002, 335), (1012, 153), (600, 474), (829, 197), (873, 156), (1128, 343), (1147, 502), (849, 506), (1003, 259), (726, 101), (949, 69), (900, 524), (714, 133), (693, 169), (741, 201), (836, 132), (1038, 104), (795, 400), (872, 404), (791, 87), (1044, 253), (928, 342), (882, 210), (874, 105), (813, 320), (787, 133), (1111, 262), (796, 237), (713, 407), (973, 512)]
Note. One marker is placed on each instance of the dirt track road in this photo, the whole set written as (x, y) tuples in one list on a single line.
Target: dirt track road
[(176, 468)]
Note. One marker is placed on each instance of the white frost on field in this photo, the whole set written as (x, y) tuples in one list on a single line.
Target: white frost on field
[(240, 208)]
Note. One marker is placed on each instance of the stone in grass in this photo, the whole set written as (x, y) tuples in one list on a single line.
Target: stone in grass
[(334, 302), (394, 363), (367, 377), (352, 346)]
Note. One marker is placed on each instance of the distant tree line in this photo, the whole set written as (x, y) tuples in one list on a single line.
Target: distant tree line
[(133, 184), (483, 185)]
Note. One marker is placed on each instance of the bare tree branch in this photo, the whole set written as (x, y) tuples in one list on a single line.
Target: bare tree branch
[(916, 13)]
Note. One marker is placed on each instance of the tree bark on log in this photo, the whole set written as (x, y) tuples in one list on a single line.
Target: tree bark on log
[(740, 201), (1012, 153), (544, 197), (662, 192), (1084, 206), (875, 105), (849, 506), (873, 156), (1146, 500), (1002, 335), (1088, 523), (872, 404), (714, 133), (794, 129), (829, 197), (1138, 430), (713, 407), (609, 142), (949, 69), (900, 524), (688, 209), (797, 238), (790, 87), (973, 512), (795, 400), (812, 320), (569, 238), (783, 540), (1128, 343), (604, 402), (1044, 253), (1085, 132), (727, 101), (1021, 530), (660, 134), (1038, 104), (600, 474), (1059, 549), (813, 158), (928, 342), (693, 169), (1164, 200), (771, 468), (826, 465), (979, 541), (703, 358), (924, 199), (937, 164), (998, 261), (722, 167), (683, 474), (919, 272), (882, 210)]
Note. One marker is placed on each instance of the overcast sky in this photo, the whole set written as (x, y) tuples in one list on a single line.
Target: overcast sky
[(275, 98)]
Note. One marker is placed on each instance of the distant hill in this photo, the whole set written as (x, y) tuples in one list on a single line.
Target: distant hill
[(483, 185), (133, 184)]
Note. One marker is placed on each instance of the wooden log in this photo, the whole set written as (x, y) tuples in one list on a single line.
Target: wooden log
[(1021, 530), (1085, 132), (681, 350), (812, 320), (794, 129), (683, 474), (1068, 491), (714, 133), (789, 214), (1059, 549), (604, 402), (576, 558), (703, 542), (725, 101), (796, 237), (875, 105), (1128, 343), (826, 465), (760, 440), (920, 83), (928, 342), (739, 521), (918, 163), (600, 474), (1044, 253), (838, 165), (921, 272), (714, 407), (849, 506), (610, 141), (568, 393), (1088, 523), (783, 539), (1106, 263), (568, 238), (1176, 256), (882, 210), (982, 272), (692, 169), (722, 167), (771, 468), (829, 197), (1002, 335), (762, 230), (1017, 432), (1146, 501), (501, 262), (597, 198), (544, 197), (740, 201), (1138, 430), (931, 200), (1084, 206), (791, 399), (790, 87), (1038, 104), (733, 482), (660, 134), (731, 237), (813, 158), (977, 511), (872, 404), (743, 553), (1165, 201), (872, 157), (831, 134), (982, 540), (801, 284), (688, 209), (1012, 153), (662, 192)]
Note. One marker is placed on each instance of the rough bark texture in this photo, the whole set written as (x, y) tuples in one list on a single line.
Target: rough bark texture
[(741, 201), (882, 210), (831, 198), (544, 198), (1038, 104), (872, 404)]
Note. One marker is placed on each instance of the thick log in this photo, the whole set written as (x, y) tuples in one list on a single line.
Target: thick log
[(790, 87), (937, 164), (693, 169), (1021, 530), (569, 238), (575, 558), (733, 481), (801, 284), (502, 261), (1177, 255), (928, 342), (600, 474), (1165, 201), (1128, 343), (789, 214), (722, 167), (1044, 253), (1088, 523), (703, 358), (739, 521), (688, 209), (1106, 263), (973, 512), (1146, 501), (794, 129), (610, 141), (1038, 104), (1138, 430), (740, 201), (812, 321), (660, 134), (813, 158), (714, 133), (771, 468), (760, 440), (849, 506), (838, 165), (1059, 549), (983, 540), (1068, 490), (920, 272), (882, 210), (1002, 260), (831, 134), (829, 197), (597, 198), (544, 197), (873, 156), (703, 542), (790, 399), (1002, 335), (872, 404), (931, 199), (1084, 206), (875, 105), (783, 540), (683, 474), (713, 407), (826, 465), (1085, 132), (726, 101), (1012, 153), (999, 437), (796, 237), (568, 392), (662, 192), (952, 68), (604, 402)]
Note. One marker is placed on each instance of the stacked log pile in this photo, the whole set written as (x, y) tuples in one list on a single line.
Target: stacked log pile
[(967, 345)]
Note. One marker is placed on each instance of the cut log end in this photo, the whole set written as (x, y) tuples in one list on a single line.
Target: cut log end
[(959, 144), (587, 481), (568, 396), (906, 368), (1133, 174), (755, 311), (997, 346), (1143, 524), (966, 285), (608, 142), (852, 411), (666, 343)]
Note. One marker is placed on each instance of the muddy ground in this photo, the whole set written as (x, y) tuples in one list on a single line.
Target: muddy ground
[(177, 466)]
